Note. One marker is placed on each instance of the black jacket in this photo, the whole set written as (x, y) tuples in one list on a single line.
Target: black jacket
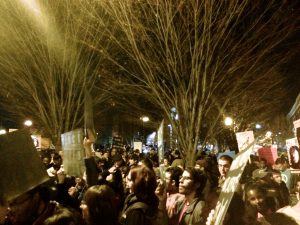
[(137, 211)]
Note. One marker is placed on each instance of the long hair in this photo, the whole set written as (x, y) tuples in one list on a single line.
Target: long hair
[(144, 184), (100, 202)]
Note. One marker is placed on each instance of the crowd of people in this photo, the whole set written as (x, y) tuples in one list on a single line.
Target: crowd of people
[(131, 188)]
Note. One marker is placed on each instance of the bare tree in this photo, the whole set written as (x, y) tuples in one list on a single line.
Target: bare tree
[(200, 57), (44, 70)]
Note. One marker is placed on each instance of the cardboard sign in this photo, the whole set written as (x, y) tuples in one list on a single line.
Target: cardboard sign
[(73, 152), (244, 139), (138, 145), (21, 168), (268, 153)]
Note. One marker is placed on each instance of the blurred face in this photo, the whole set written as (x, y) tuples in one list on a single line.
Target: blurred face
[(22, 209), (168, 181), (223, 166), (262, 164), (166, 162), (277, 178), (256, 199), (186, 184), (113, 152), (131, 162), (129, 182), (46, 161)]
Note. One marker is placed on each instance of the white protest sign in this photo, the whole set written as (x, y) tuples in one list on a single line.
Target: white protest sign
[(73, 150), (244, 139)]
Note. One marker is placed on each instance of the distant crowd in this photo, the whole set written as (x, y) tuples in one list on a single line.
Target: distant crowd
[(127, 187)]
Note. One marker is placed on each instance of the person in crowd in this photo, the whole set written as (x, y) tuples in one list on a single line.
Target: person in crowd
[(141, 205), (65, 216), (283, 192), (278, 219), (46, 161), (224, 164), (98, 206), (261, 170), (178, 161), (292, 211), (282, 164), (55, 165), (190, 209), (133, 160), (77, 192), (32, 207), (257, 201), (251, 166), (172, 177)]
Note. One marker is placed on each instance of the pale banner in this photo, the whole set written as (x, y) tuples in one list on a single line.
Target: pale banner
[(73, 151), (160, 142), (246, 145)]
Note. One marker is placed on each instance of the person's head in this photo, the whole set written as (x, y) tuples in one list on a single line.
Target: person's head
[(152, 151), (172, 176), (98, 205), (64, 216), (255, 195), (100, 162), (224, 164), (262, 163), (117, 160), (137, 152), (143, 181), (57, 161), (276, 176), (147, 162), (166, 162), (25, 208), (281, 164), (201, 164), (192, 182), (133, 159), (113, 152), (46, 160)]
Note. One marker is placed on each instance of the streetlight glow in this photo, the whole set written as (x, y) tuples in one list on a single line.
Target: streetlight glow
[(228, 121), (258, 126), (28, 123), (145, 118)]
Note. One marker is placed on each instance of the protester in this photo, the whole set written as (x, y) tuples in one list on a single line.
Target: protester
[(257, 203), (98, 206), (64, 216), (190, 209), (224, 164), (292, 211), (141, 204)]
